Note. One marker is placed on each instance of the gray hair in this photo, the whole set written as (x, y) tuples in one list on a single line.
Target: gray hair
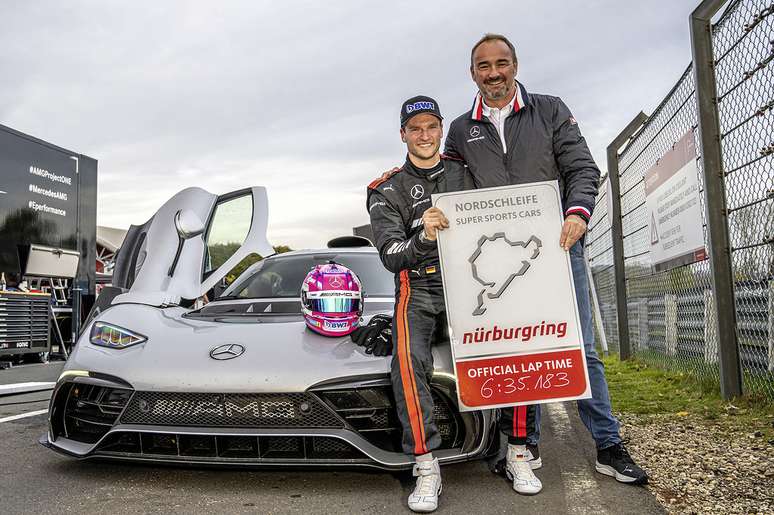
[(494, 37)]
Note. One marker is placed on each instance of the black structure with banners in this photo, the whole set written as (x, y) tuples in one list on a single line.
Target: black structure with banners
[(48, 224)]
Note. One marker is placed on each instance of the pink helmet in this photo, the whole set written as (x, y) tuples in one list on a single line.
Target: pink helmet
[(331, 300)]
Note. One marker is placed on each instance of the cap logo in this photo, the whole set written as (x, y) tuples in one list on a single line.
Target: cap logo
[(417, 106)]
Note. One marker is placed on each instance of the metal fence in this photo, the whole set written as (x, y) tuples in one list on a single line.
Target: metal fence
[(673, 314)]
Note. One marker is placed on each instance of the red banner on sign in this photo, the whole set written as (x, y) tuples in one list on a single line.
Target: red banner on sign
[(520, 379)]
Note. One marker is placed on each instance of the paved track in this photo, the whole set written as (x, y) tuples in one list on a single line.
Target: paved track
[(36, 480)]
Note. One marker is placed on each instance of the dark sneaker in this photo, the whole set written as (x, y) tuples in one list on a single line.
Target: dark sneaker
[(615, 461), (535, 462)]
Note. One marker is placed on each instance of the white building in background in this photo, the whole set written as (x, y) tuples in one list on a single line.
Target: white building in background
[(109, 240)]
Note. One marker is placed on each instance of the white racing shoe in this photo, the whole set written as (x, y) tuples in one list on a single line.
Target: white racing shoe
[(518, 470), (424, 498), (533, 454)]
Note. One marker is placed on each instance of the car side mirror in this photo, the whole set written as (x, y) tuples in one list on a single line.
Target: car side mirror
[(188, 224)]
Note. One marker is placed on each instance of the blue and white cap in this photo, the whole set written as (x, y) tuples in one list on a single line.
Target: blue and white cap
[(417, 105)]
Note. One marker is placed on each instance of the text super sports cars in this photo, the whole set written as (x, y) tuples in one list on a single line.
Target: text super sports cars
[(240, 381)]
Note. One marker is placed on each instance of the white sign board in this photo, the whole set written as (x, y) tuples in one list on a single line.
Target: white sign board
[(674, 211), (510, 301)]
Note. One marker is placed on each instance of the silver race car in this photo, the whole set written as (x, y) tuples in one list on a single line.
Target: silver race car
[(157, 377)]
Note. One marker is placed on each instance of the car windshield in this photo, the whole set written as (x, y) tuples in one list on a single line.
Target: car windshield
[(282, 276)]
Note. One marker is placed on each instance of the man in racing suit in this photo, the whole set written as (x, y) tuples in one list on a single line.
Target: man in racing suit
[(405, 229), (512, 137)]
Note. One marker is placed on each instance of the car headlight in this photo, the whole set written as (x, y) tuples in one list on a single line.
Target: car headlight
[(114, 337)]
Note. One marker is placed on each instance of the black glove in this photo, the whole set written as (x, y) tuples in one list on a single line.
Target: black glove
[(376, 337), (362, 335), (381, 345)]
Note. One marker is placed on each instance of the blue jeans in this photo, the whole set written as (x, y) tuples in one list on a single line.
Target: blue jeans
[(596, 412)]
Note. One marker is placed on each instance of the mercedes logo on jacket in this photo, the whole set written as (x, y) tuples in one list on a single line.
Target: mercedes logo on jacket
[(417, 192), (227, 351)]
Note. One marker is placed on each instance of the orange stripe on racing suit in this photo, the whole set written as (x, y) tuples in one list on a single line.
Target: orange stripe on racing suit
[(407, 369)]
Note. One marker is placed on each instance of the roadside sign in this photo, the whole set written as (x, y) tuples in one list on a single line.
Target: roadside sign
[(675, 227), (510, 301)]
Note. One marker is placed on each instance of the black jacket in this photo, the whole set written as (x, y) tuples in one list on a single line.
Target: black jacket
[(543, 143), (396, 206)]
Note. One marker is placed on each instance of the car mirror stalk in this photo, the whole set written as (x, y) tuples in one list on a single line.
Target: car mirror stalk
[(188, 226)]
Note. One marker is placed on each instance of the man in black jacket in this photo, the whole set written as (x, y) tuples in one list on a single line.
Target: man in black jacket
[(405, 229), (512, 137)]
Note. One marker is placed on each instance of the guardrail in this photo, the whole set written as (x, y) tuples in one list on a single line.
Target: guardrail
[(654, 325)]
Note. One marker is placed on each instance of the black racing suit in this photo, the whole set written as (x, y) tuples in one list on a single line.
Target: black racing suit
[(396, 206)]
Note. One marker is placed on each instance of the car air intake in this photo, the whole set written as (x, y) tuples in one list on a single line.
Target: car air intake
[(264, 410), (371, 412), (226, 448), (90, 410)]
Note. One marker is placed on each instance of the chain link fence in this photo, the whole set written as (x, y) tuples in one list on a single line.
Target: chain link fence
[(671, 312), (599, 250)]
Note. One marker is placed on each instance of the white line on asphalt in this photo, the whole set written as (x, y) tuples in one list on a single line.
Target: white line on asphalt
[(582, 493), (23, 415), (8, 389)]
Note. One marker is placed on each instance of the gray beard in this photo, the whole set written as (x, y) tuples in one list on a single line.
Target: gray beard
[(497, 95)]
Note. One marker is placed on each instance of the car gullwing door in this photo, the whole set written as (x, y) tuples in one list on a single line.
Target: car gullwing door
[(193, 241)]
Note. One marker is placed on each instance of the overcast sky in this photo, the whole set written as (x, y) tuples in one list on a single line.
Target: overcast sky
[(303, 97)]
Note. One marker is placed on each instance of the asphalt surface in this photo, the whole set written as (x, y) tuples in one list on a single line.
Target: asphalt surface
[(36, 480)]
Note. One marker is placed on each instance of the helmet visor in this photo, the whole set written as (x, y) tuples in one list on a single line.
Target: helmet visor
[(333, 305)]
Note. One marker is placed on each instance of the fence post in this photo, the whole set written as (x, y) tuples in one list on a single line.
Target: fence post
[(715, 197), (633, 316), (710, 324), (644, 333), (595, 305), (616, 230), (670, 324)]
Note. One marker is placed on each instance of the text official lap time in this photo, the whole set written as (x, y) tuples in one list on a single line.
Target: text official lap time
[(510, 300)]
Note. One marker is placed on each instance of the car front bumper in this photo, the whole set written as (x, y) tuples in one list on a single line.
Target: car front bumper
[(88, 419)]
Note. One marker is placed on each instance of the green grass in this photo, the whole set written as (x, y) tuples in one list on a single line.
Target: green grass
[(757, 387), (641, 389)]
